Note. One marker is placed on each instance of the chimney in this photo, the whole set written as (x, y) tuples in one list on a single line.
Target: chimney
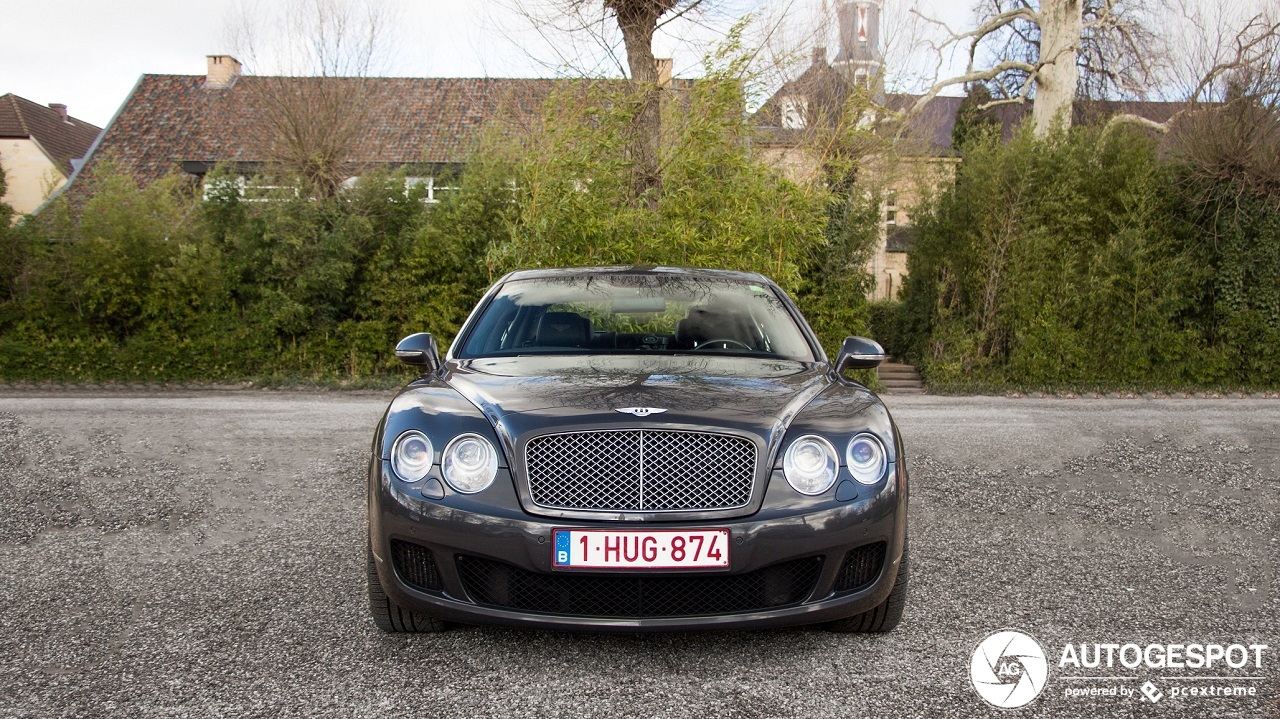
[(820, 55), (60, 109), (664, 71), (223, 71)]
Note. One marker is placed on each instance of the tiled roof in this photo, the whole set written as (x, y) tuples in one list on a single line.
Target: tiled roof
[(822, 85), (169, 120), (64, 138)]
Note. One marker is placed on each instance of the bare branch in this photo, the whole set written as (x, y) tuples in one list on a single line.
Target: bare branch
[(1125, 118), (1255, 42), (974, 76), (986, 28), (679, 14)]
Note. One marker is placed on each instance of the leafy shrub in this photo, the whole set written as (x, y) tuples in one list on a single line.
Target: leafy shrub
[(884, 326), (175, 283), (1089, 260), (718, 205)]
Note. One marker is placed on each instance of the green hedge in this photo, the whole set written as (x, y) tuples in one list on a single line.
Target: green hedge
[(161, 284), (1095, 260), (885, 326)]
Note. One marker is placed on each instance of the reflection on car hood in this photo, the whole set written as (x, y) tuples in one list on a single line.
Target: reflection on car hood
[(535, 394)]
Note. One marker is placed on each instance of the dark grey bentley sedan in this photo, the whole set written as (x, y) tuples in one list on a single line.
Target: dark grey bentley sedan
[(637, 448)]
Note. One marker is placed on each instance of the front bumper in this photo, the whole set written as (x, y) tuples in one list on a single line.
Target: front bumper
[(493, 528)]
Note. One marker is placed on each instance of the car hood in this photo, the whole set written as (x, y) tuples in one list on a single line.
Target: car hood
[(523, 396)]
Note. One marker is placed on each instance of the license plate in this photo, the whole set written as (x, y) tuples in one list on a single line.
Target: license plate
[(641, 549)]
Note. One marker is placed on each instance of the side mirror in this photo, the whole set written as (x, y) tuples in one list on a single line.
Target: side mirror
[(859, 353), (419, 350)]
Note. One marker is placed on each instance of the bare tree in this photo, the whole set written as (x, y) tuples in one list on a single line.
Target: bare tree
[(1220, 53), (637, 21), (1024, 50), (904, 44), (317, 100), (1205, 43)]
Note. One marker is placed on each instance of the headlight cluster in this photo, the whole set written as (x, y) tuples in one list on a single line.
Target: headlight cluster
[(412, 455), (866, 458), (811, 465), (469, 463)]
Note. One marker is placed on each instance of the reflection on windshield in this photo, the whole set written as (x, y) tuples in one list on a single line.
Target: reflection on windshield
[(636, 314)]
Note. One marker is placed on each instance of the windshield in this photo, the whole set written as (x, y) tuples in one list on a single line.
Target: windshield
[(620, 313)]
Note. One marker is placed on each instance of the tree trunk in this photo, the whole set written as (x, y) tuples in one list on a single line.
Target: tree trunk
[(638, 19), (1061, 24)]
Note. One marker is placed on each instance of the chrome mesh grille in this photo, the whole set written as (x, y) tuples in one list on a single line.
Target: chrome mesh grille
[(640, 470)]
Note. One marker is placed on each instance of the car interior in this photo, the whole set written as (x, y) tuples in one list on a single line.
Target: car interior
[(703, 327)]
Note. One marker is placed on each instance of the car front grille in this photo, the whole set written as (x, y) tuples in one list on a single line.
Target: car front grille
[(640, 470), (861, 567), (416, 565), (632, 596)]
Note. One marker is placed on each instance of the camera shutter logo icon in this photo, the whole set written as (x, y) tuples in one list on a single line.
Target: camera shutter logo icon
[(1008, 669)]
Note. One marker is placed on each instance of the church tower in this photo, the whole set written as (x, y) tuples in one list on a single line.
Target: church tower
[(859, 59)]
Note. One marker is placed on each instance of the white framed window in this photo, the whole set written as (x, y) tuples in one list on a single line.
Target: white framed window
[(795, 111), (251, 190), (433, 189), (248, 190)]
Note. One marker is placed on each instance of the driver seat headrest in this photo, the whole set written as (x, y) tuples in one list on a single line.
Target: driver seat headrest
[(563, 329)]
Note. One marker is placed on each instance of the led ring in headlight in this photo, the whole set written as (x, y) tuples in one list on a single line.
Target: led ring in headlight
[(470, 463), (810, 465), (866, 458), (412, 455)]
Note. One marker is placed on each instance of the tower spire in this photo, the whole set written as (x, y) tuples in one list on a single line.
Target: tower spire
[(859, 59)]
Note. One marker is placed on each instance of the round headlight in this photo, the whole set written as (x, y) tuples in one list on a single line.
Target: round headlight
[(810, 465), (470, 463), (866, 458), (412, 455)]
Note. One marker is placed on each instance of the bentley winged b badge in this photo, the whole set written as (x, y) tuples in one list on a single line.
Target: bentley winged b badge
[(640, 411)]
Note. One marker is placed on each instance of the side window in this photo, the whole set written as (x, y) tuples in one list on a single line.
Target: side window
[(494, 329)]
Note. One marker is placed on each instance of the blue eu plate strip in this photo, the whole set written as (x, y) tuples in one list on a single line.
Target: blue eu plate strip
[(562, 547)]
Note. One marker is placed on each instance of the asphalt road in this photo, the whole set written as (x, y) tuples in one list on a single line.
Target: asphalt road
[(201, 554)]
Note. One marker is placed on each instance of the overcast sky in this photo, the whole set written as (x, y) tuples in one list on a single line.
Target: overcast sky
[(88, 54)]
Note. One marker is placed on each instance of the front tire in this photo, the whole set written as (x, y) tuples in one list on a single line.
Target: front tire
[(886, 616), (391, 617)]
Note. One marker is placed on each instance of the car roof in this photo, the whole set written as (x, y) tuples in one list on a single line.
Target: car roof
[(637, 270)]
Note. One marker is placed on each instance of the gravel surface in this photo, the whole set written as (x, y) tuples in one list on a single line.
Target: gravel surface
[(201, 554)]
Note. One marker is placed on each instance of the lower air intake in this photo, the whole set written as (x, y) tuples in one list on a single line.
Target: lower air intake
[(498, 584), (861, 567), (415, 565)]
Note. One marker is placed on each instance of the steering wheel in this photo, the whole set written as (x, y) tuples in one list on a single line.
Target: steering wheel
[(725, 342)]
